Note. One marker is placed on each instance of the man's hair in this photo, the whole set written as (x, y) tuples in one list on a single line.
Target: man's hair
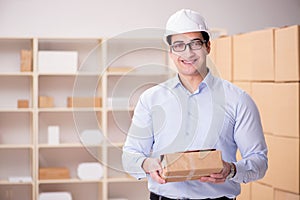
[(204, 35)]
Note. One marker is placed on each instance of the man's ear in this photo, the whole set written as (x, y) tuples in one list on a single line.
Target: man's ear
[(208, 47), (170, 53)]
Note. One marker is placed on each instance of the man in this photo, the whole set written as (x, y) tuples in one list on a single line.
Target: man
[(195, 110)]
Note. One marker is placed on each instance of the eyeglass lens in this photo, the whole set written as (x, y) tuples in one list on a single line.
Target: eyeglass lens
[(181, 46)]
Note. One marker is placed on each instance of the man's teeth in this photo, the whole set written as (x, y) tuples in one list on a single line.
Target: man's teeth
[(188, 62)]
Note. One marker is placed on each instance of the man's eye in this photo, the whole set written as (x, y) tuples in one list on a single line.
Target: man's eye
[(179, 45), (197, 43)]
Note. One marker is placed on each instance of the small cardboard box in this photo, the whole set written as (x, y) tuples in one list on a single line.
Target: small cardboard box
[(46, 102), (84, 102), (54, 173), (26, 61), (119, 69), (23, 103), (191, 165)]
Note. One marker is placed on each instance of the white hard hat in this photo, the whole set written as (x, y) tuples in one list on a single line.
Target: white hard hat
[(185, 21)]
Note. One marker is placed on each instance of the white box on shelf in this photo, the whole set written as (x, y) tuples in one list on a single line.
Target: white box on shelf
[(91, 137), (118, 102), (90, 171), (20, 179), (57, 61), (53, 135), (55, 196)]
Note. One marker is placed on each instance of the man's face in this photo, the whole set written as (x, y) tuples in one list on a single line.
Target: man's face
[(190, 61)]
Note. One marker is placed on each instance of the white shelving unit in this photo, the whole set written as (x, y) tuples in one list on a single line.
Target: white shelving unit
[(23, 131)]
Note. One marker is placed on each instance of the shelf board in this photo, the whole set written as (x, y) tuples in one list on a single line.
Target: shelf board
[(16, 146), (16, 109), (116, 144), (6, 182), (72, 74), (124, 179), (136, 74), (67, 145), (72, 180), (131, 108), (66, 109), (16, 73)]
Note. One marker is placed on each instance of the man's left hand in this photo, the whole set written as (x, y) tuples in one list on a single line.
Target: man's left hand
[(218, 177)]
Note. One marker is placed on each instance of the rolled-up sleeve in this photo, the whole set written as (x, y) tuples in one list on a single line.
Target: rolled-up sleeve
[(250, 140)]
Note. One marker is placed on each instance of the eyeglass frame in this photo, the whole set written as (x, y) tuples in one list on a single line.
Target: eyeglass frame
[(188, 44)]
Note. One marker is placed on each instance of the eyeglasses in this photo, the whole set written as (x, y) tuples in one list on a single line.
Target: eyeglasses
[(181, 46)]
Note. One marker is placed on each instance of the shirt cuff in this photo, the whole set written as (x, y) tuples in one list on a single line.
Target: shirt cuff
[(140, 173), (239, 174)]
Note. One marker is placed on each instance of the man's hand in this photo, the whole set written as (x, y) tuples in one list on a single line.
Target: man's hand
[(152, 166), (218, 177)]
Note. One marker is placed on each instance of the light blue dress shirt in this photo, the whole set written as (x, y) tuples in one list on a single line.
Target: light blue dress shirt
[(168, 118)]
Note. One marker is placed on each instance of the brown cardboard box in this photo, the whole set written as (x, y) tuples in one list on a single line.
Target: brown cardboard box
[(287, 53), (245, 192), (54, 173), (213, 48), (246, 86), (190, 165), (26, 61), (242, 59), (286, 109), (23, 104), (223, 57), (278, 104), (260, 191), (268, 178), (282, 195), (253, 56), (46, 102), (84, 102), (283, 172), (263, 95), (262, 55)]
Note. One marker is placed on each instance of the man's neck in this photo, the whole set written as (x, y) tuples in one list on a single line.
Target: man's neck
[(192, 82)]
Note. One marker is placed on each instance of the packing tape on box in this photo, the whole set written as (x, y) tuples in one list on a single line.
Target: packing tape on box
[(191, 173), (55, 196), (202, 155), (90, 171)]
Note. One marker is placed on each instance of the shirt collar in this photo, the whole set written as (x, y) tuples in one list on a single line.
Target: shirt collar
[(207, 81)]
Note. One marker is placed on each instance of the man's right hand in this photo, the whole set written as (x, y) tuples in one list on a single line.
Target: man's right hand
[(153, 167)]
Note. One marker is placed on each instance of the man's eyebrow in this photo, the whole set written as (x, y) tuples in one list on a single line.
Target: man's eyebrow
[(178, 41), (196, 39)]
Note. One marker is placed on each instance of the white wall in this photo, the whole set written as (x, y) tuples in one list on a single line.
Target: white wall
[(95, 18)]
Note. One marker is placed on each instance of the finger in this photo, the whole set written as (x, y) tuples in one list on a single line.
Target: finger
[(218, 176), (155, 176), (209, 179)]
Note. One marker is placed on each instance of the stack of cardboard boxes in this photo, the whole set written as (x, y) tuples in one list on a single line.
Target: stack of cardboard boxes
[(266, 65)]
